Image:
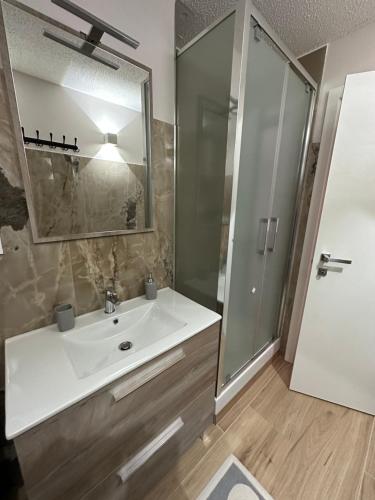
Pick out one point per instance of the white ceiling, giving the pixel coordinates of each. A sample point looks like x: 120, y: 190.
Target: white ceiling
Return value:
x: 303, y: 25
x: 35, y: 55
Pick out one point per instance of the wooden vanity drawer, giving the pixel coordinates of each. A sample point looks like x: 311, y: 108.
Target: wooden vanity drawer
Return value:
x: 132, y: 480
x: 87, y: 440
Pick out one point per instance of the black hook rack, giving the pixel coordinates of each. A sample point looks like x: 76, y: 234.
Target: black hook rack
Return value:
x: 51, y: 143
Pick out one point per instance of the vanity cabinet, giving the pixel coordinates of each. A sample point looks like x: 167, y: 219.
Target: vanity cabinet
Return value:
x: 118, y: 442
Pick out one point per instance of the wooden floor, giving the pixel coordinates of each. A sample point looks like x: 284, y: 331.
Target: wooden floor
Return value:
x: 297, y: 446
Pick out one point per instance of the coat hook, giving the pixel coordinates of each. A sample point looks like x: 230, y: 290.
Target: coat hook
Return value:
x: 37, y: 138
x: 51, y: 137
x: 23, y: 136
x: 63, y: 144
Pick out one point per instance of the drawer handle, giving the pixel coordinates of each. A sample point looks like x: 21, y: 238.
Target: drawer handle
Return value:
x: 134, y: 382
x: 149, y: 450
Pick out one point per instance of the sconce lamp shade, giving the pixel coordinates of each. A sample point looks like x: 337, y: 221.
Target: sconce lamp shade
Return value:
x: 110, y: 138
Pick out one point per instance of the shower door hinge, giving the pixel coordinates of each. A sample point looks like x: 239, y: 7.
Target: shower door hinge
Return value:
x: 257, y: 33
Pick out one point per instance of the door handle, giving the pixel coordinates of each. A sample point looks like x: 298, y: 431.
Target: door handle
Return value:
x: 326, y: 258
x: 264, y: 226
x: 275, y: 222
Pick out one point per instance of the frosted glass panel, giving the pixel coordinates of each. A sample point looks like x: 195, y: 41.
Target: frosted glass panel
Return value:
x: 263, y: 99
x: 203, y: 92
x: 295, y: 115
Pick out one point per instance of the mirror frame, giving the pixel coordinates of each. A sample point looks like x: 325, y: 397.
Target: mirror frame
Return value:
x: 21, y: 152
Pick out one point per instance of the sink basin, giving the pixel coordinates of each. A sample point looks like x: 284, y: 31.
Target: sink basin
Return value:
x: 117, y: 337
x: 48, y: 371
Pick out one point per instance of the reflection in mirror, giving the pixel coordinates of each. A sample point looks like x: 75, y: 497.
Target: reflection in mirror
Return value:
x: 85, y: 115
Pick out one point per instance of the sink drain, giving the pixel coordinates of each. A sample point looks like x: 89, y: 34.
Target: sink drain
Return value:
x: 125, y: 346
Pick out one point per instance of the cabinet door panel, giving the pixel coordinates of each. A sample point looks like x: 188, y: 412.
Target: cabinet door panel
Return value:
x: 196, y: 418
x: 85, y: 440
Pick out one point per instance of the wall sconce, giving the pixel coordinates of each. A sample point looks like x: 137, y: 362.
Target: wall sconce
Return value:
x: 110, y: 138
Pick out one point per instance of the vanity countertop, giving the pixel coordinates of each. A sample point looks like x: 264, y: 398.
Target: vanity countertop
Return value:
x: 41, y: 380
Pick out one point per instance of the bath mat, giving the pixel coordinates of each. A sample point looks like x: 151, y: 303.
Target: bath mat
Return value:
x: 234, y: 482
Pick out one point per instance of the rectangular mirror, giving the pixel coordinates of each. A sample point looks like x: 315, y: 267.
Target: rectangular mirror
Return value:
x: 86, y: 118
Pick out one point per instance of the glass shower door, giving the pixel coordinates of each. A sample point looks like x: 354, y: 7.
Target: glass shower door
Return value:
x: 264, y: 92
x: 276, y: 109
x: 286, y: 182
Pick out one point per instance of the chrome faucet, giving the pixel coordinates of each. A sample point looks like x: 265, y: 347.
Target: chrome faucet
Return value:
x: 111, y: 300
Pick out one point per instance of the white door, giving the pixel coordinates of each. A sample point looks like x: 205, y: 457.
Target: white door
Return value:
x: 335, y: 357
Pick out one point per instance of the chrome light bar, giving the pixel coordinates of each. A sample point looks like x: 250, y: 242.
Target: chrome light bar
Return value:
x: 80, y: 50
x: 99, y: 27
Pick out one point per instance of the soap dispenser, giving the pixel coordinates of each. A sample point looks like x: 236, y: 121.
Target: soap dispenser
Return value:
x: 150, y: 288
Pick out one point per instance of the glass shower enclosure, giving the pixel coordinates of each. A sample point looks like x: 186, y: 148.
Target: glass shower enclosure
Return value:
x: 244, y: 108
x: 203, y: 88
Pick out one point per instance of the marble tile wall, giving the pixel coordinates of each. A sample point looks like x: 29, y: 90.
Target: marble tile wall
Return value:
x: 35, y: 277
x: 308, y: 184
x: 75, y: 195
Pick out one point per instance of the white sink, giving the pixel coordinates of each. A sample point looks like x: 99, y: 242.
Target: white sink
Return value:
x: 94, y: 347
x: 48, y: 371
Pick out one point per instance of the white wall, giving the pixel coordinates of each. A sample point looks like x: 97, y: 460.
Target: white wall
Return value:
x: 149, y: 21
x: 52, y: 108
x: 352, y: 54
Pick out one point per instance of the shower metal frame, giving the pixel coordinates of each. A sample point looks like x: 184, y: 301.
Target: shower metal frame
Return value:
x: 244, y: 13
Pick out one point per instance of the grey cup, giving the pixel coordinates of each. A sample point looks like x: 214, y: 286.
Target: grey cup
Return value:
x: 64, y: 315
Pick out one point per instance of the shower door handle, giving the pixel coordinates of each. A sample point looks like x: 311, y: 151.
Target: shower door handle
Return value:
x: 274, y: 221
x: 264, y: 227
